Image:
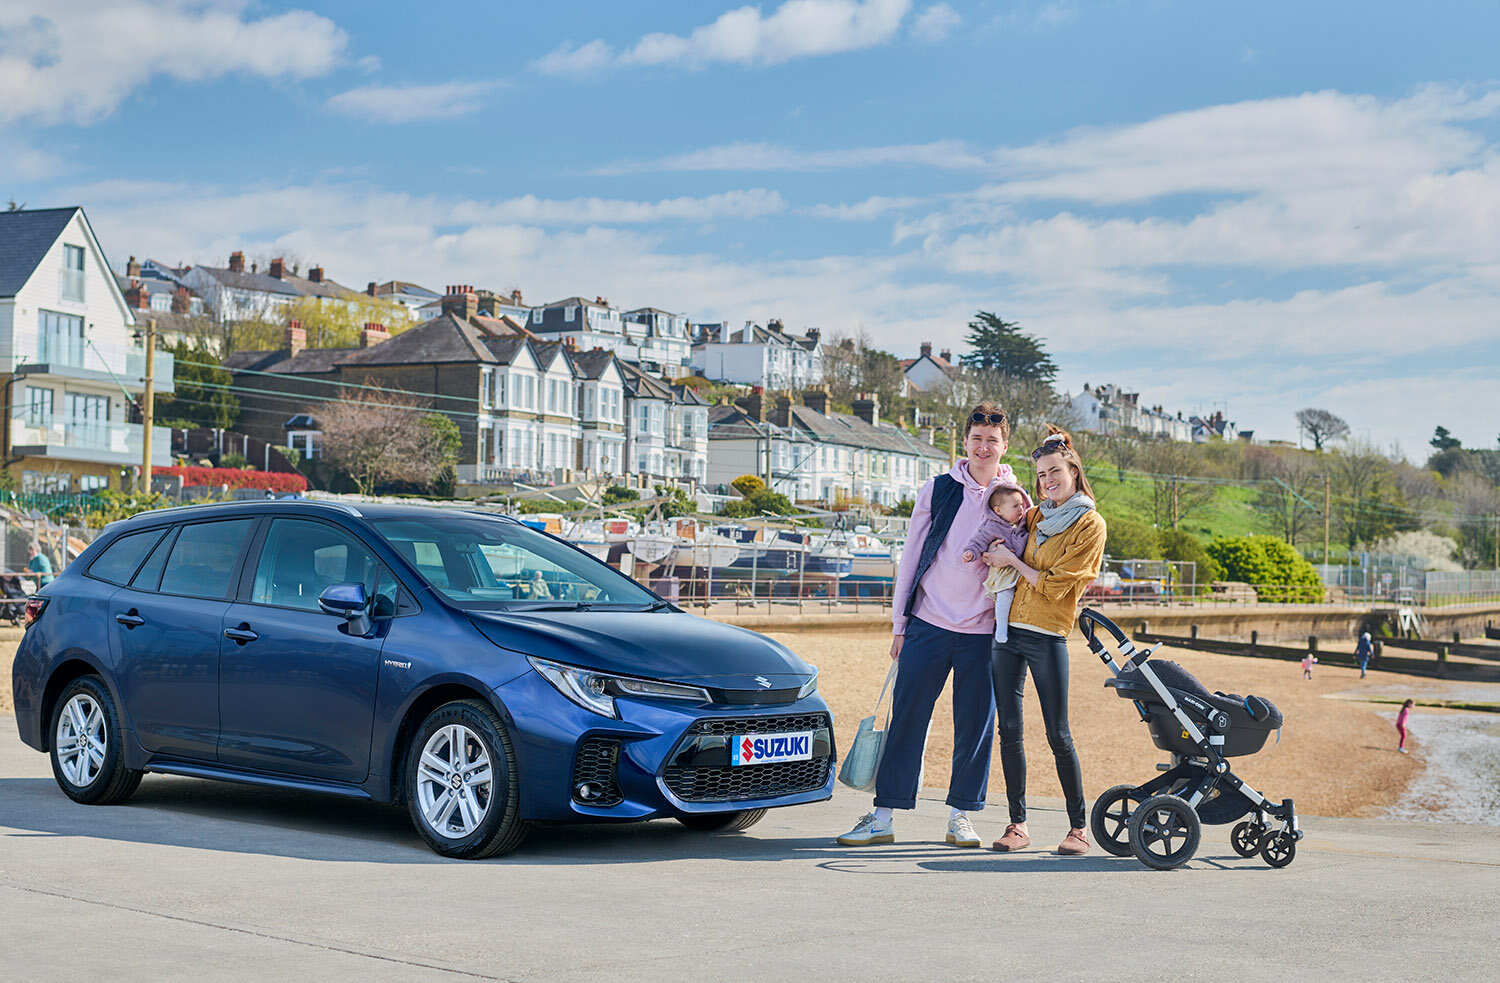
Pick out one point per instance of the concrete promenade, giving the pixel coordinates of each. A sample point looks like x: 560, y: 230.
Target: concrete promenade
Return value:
x: 197, y: 880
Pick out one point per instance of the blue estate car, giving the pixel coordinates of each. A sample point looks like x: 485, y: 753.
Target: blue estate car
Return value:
x: 484, y: 673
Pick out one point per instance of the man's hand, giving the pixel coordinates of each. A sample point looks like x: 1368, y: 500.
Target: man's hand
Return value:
x: 896, y: 641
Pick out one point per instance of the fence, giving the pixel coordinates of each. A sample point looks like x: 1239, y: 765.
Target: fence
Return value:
x: 57, y: 543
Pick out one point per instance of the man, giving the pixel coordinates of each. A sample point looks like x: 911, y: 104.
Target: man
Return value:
x: 942, y: 623
x: 1362, y: 652
x: 37, y: 562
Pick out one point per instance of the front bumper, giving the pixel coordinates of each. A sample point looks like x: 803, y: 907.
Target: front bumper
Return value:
x: 659, y: 759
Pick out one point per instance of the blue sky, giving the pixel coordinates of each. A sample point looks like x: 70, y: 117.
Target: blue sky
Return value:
x: 1258, y: 206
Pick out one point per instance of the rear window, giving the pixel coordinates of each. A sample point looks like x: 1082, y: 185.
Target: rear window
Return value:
x: 121, y: 558
x: 203, y: 558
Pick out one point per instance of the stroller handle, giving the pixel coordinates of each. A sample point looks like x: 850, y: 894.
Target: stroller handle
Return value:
x: 1088, y: 618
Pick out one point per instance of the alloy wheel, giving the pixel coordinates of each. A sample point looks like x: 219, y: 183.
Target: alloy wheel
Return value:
x: 454, y: 781
x: 82, y: 740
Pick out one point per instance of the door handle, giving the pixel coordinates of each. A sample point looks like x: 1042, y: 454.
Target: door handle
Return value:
x: 130, y: 620
x: 242, y: 634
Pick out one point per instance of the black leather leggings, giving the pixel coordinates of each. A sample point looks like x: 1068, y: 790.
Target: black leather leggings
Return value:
x: 1047, y: 658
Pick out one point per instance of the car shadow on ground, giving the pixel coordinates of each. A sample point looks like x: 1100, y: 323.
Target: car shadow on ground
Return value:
x: 207, y: 815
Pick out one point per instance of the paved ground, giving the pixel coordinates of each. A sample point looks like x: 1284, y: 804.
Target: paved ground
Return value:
x: 195, y: 880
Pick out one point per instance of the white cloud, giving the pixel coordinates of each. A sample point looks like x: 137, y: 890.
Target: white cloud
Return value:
x: 81, y: 58
x: 744, y: 156
x: 935, y: 23
x: 863, y: 211
x: 796, y: 29
x: 405, y: 103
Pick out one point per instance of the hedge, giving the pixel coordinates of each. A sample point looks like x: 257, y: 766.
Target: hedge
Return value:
x: 276, y: 481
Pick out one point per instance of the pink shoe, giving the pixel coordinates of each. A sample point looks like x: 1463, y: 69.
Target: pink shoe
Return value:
x: 1075, y: 844
x: 1015, y: 838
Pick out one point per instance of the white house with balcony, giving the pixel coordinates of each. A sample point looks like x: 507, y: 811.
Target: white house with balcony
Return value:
x: 70, y: 353
x: 661, y: 341
x: 770, y: 357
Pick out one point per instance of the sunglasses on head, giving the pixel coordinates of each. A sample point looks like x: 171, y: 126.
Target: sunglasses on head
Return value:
x: 1049, y: 446
x: 993, y: 419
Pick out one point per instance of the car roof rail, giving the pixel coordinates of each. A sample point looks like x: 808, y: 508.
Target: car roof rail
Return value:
x: 339, y: 506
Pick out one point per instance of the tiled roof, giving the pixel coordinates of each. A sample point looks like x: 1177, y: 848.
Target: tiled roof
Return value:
x: 25, y: 237
x: 590, y: 364
x: 643, y: 386
x: 256, y: 282
x: 322, y: 288
x: 445, y: 338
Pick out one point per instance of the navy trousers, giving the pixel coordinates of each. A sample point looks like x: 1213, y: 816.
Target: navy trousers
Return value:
x: 928, y: 655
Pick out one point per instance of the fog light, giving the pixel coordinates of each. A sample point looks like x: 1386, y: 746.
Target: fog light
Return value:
x: 587, y: 792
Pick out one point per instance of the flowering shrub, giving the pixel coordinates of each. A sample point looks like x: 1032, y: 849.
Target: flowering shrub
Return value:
x: 275, y: 481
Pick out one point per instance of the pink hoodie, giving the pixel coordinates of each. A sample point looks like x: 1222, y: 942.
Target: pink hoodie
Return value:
x: 951, y: 594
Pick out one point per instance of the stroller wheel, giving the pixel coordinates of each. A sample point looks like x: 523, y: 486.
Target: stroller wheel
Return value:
x: 1279, y: 850
x: 1164, y: 832
x: 1110, y: 819
x: 1246, y: 838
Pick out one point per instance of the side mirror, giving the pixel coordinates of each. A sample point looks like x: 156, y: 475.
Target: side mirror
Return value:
x: 347, y: 601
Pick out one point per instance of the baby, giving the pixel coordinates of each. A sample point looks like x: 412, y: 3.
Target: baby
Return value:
x: 1008, y: 503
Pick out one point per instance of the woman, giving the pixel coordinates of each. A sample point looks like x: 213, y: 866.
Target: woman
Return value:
x: 942, y: 622
x: 1062, y: 557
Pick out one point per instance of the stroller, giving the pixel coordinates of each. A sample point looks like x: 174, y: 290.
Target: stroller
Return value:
x: 1161, y: 822
x: 12, y: 599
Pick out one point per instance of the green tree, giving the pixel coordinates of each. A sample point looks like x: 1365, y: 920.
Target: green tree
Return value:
x: 1321, y: 426
x: 1442, y: 440
x: 758, y: 503
x: 1276, y: 570
x: 201, y: 397
x: 615, y: 494
x: 748, y: 484
x: 1128, y: 539
x: 1001, y: 346
x: 442, y: 436
x: 1184, y: 547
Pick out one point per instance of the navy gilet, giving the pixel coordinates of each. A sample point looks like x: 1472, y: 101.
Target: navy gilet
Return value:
x: 947, y: 496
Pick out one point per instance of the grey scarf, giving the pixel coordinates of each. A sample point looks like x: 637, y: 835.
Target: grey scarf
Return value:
x: 1057, y: 518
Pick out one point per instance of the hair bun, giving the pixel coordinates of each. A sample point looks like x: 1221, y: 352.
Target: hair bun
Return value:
x: 1057, y: 437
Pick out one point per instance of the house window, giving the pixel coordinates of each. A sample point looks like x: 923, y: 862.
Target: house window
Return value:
x: 60, y: 482
x: 38, y: 406
x: 500, y: 390
x: 61, y: 339
x: 486, y: 388
x: 87, y: 420
x: 72, y: 274
x: 536, y: 316
x: 92, y: 482
x: 305, y: 442
x: 570, y: 312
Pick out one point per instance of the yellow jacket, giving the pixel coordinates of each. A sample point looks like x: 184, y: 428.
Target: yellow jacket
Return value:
x: 1068, y: 563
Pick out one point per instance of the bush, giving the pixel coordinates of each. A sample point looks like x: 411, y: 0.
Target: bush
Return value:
x: 615, y: 494
x: 1276, y: 570
x: 1131, y: 540
x: 275, y: 481
x: 234, y: 460
x: 758, y: 502
x: 1186, y: 548
x: 748, y: 484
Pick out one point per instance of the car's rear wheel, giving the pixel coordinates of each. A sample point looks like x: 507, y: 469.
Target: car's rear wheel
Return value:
x: 723, y: 822
x: 461, y: 782
x: 87, y: 759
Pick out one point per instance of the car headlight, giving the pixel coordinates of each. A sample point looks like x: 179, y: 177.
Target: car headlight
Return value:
x: 595, y: 691
x: 810, y: 687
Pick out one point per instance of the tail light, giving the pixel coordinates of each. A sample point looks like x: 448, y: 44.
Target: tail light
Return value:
x: 34, y: 608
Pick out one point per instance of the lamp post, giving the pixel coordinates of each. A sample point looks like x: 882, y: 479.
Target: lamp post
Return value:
x: 148, y: 404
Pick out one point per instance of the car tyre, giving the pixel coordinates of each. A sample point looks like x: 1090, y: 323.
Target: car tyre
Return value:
x: 87, y: 759
x: 461, y: 784
x: 723, y: 822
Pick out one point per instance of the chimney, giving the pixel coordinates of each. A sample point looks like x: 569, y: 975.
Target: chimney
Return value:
x: 813, y: 334
x: 373, y: 334
x: 137, y: 296
x: 236, y: 262
x: 816, y: 400
x: 315, y: 274
x: 278, y: 267
x: 925, y: 434
x: 461, y: 301
x: 926, y: 349
x: 296, y: 339
x: 754, y: 405
x: 132, y: 268
x: 774, y: 324
x: 371, y: 288
x: 867, y: 408
x: 182, y: 303
x: 946, y: 356
x: 782, y: 414
x: 515, y: 297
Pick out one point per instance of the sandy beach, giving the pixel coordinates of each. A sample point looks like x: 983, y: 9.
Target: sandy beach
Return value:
x: 1337, y: 755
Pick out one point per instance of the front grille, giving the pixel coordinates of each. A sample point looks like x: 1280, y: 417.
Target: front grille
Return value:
x: 718, y: 726
x: 751, y: 781
x: 596, y: 763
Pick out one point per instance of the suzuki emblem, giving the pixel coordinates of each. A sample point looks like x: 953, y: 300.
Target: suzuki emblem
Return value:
x: 764, y: 682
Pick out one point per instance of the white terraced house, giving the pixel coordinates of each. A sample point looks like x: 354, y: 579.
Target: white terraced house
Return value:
x: 72, y: 357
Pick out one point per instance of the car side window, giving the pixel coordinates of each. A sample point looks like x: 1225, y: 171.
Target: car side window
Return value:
x: 149, y: 576
x: 202, y: 560
x: 302, y: 558
x: 119, y: 560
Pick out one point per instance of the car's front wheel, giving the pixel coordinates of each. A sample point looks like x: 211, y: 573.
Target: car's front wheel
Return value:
x: 723, y: 822
x: 461, y: 783
x: 87, y: 759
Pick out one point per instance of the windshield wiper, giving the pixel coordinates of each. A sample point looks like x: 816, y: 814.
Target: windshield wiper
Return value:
x: 554, y: 606
x: 658, y: 605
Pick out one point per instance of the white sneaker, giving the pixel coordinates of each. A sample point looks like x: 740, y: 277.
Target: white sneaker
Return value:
x: 1401, y: 749
x: 961, y: 832
x: 868, y: 831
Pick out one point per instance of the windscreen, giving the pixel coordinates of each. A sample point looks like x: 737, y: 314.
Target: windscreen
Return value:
x: 484, y: 563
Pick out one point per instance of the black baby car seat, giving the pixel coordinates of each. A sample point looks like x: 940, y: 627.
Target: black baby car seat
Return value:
x: 1251, y: 719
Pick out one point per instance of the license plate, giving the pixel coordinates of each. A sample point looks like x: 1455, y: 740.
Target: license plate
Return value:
x: 764, y: 749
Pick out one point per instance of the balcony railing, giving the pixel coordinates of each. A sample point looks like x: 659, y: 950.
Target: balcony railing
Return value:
x: 95, y: 440
x: 126, y: 363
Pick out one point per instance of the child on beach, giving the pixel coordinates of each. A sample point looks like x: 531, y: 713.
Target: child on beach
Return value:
x: 1401, y: 719
x: 1006, y: 522
x: 1308, y: 661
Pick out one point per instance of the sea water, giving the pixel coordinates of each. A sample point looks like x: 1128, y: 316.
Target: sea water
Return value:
x: 1461, y: 780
